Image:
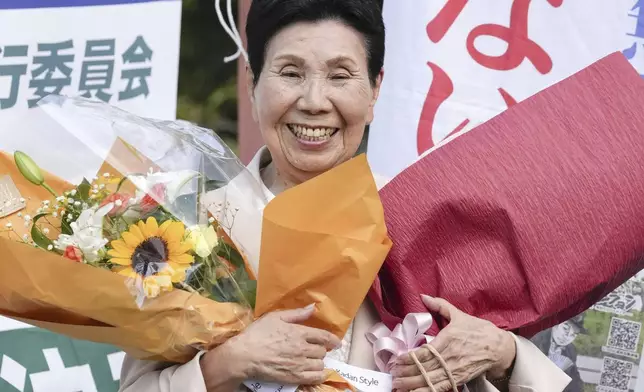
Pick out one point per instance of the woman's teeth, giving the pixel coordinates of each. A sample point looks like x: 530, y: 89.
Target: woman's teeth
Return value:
x: 312, y: 134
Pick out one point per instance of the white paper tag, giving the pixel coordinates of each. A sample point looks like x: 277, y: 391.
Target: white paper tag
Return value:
x: 362, y: 379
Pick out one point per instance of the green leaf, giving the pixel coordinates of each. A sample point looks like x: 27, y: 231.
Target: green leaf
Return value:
x: 223, y: 290
x: 83, y: 190
x: 37, y: 236
x: 211, y: 185
x: 251, y: 293
x: 65, y: 228
x: 247, y: 286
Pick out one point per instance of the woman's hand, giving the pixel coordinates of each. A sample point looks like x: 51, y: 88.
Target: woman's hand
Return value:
x: 273, y: 349
x: 469, y: 346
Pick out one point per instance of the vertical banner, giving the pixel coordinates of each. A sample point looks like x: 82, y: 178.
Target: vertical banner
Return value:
x: 125, y: 52
x: 454, y: 64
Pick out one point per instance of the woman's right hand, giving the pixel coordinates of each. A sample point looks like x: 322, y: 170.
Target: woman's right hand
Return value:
x: 274, y: 348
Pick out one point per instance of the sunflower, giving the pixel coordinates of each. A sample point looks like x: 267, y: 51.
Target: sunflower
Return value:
x: 155, y: 255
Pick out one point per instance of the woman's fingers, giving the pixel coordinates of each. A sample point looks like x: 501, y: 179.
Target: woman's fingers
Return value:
x: 422, y: 354
x: 412, y: 370
x: 313, y: 365
x: 314, y: 351
x: 468, y: 347
x: 440, y: 306
x: 311, y: 378
x: 418, y: 381
x: 444, y: 386
x: 296, y: 315
x: 295, y: 371
x: 320, y: 337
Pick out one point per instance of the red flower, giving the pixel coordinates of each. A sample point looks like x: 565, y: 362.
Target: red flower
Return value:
x: 117, y: 198
x: 74, y: 254
x: 151, y: 200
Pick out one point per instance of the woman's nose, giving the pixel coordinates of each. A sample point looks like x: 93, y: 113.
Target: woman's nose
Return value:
x: 314, y: 98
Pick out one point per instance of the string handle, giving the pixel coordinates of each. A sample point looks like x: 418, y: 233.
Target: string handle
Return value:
x: 442, y: 363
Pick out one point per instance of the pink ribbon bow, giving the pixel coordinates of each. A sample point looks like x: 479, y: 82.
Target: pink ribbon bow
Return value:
x: 388, y: 345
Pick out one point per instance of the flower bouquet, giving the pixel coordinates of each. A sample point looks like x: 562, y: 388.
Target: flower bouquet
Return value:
x: 156, y: 246
x: 137, y: 236
x: 530, y: 218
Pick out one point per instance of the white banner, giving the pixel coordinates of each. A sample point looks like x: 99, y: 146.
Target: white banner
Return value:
x: 454, y: 64
x: 125, y: 52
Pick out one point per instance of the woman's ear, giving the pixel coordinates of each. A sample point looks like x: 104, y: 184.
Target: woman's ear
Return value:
x: 250, y: 89
x: 375, y: 94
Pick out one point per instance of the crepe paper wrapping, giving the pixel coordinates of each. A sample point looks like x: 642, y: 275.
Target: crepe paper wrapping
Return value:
x: 530, y: 218
x: 323, y: 248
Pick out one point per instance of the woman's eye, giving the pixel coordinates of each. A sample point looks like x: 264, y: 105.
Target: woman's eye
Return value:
x: 290, y: 74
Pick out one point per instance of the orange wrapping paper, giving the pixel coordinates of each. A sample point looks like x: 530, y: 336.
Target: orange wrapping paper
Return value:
x: 33, y: 195
x: 35, y: 288
x: 327, y: 255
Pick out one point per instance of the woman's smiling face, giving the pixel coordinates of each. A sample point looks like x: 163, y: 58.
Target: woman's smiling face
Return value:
x: 314, y: 97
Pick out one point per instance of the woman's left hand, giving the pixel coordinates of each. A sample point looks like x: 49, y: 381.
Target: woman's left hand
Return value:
x: 470, y: 347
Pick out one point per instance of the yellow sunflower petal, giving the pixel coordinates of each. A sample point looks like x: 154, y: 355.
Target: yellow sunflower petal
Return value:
x: 127, y: 271
x: 182, y: 259
x: 116, y: 243
x: 121, y: 261
x: 116, y: 254
x: 131, y: 240
x: 179, y: 248
x: 164, y: 226
x: 136, y: 231
x: 174, y: 232
x: 121, y: 250
x: 150, y: 228
x: 141, y: 226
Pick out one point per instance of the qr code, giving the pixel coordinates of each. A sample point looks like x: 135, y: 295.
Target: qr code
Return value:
x: 616, y: 374
x: 624, y: 334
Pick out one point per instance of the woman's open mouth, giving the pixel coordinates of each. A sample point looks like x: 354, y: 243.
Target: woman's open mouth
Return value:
x: 312, y: 135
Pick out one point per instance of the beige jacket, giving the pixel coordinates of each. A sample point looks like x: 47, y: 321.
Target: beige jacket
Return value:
x: 533, y: 371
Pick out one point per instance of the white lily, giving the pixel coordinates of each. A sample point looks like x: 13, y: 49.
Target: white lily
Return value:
x: 173, y: 182
x: 87, y: 233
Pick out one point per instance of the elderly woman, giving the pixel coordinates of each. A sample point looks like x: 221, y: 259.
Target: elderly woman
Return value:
x: 314, y: 76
